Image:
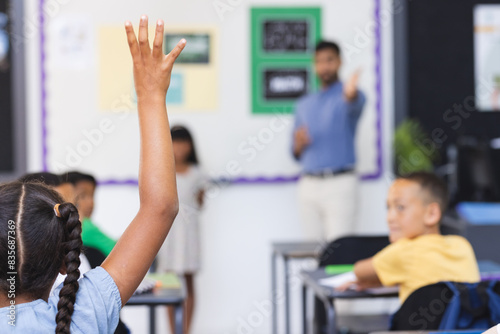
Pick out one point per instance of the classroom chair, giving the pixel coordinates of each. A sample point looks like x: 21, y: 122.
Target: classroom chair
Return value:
x: 349, y: 250
x: 95, y: 256
x: 450, y: 306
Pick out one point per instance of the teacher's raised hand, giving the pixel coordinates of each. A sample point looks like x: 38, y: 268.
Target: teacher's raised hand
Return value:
x: 351, y: 87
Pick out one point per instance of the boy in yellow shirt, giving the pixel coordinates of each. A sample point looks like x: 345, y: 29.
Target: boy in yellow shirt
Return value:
x: 418, y: 254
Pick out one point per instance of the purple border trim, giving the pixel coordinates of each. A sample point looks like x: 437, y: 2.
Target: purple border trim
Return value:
x: 242, y: 180
x: 378, y: 89
x: 129, y: 182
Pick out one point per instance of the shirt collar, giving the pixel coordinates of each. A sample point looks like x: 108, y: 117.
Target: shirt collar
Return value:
x: 334, y: 86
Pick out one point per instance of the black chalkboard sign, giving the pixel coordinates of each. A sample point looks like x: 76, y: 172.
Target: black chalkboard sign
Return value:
x: 285, y: 83
x: 285, y: 35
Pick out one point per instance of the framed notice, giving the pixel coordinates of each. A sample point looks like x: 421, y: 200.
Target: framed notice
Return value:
x: 283, y: 42
x: 487, y: 56
x: 197, y: 52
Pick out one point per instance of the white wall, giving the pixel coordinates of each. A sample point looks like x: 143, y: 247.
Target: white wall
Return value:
x: 239, y: 223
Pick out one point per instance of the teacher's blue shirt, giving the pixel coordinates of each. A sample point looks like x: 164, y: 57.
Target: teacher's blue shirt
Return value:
x: 331, y: 123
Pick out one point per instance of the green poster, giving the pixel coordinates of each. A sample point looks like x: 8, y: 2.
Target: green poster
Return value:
x: 283, y: 42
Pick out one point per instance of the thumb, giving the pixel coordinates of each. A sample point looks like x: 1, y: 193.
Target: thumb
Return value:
x: 172, y: 56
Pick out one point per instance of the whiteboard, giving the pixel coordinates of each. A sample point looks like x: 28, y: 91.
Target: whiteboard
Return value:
x: 79, y: 135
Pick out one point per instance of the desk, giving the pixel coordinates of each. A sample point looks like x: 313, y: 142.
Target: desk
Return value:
x: 171, y: 296
x: 310, y: 279
x: 287, y: 251
x: 482, y: 228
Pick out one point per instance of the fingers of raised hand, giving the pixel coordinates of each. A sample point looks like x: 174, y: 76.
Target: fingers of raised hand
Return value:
x: 158, y: 41
x: 355, y: 77
x: 143, y: 37
x: 132, y: 41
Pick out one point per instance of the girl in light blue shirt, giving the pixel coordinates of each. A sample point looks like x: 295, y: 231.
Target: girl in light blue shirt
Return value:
x: 40, y: 235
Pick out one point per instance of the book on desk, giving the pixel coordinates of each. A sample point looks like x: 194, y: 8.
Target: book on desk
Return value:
x: 346, y: 277
x: 158, y: 280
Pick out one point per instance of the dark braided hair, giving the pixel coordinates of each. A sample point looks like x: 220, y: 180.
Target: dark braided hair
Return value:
x: 43, y: 242
x: 72, y: 247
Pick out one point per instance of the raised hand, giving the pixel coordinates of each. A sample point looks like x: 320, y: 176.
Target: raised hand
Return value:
x: 132, y: 256
x: 152, y: 69
x: 351, y: 86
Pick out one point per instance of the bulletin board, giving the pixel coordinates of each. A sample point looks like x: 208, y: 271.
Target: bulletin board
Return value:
x: 486, y: 55
x: 282, y: 43
x: 188, y: 91
x: 88, y: 113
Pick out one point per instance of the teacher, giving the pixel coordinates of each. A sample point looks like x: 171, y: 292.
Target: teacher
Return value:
x: 323, y: 143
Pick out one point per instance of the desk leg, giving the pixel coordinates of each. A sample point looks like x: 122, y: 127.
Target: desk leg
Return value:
x: 152, y: 319
x: 304, y: 309
x: 179, y: 318
x: 287, y: 298
x: 330, y: 317
x: 274, y: 293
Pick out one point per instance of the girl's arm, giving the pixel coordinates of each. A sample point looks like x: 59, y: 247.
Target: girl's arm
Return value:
x: 132, y: 256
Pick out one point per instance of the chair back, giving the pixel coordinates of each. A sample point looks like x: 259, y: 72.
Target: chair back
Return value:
x: 345, y: 250
x: 350, y: 249
x: 450, y: 306
x: 95, y: 256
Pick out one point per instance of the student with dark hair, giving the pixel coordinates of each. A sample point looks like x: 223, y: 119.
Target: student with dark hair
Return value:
x: 40, y: 234
x: 181, y: 251
x: 63, y: 187
x: 67, y: 191
x: 418, y: 254
x: 85, y: 185
x: 183, y: 142
x: 323, y: 143
x: 49, y: 179
x: 92, y: 236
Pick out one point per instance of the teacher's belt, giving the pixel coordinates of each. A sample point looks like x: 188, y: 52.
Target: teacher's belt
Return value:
x: 330, y: 172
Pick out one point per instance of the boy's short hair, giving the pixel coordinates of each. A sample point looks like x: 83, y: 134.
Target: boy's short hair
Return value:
x: 49, y: 179
x: 433, y: 185
x: 324, y: 45
x: 75, y: 177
